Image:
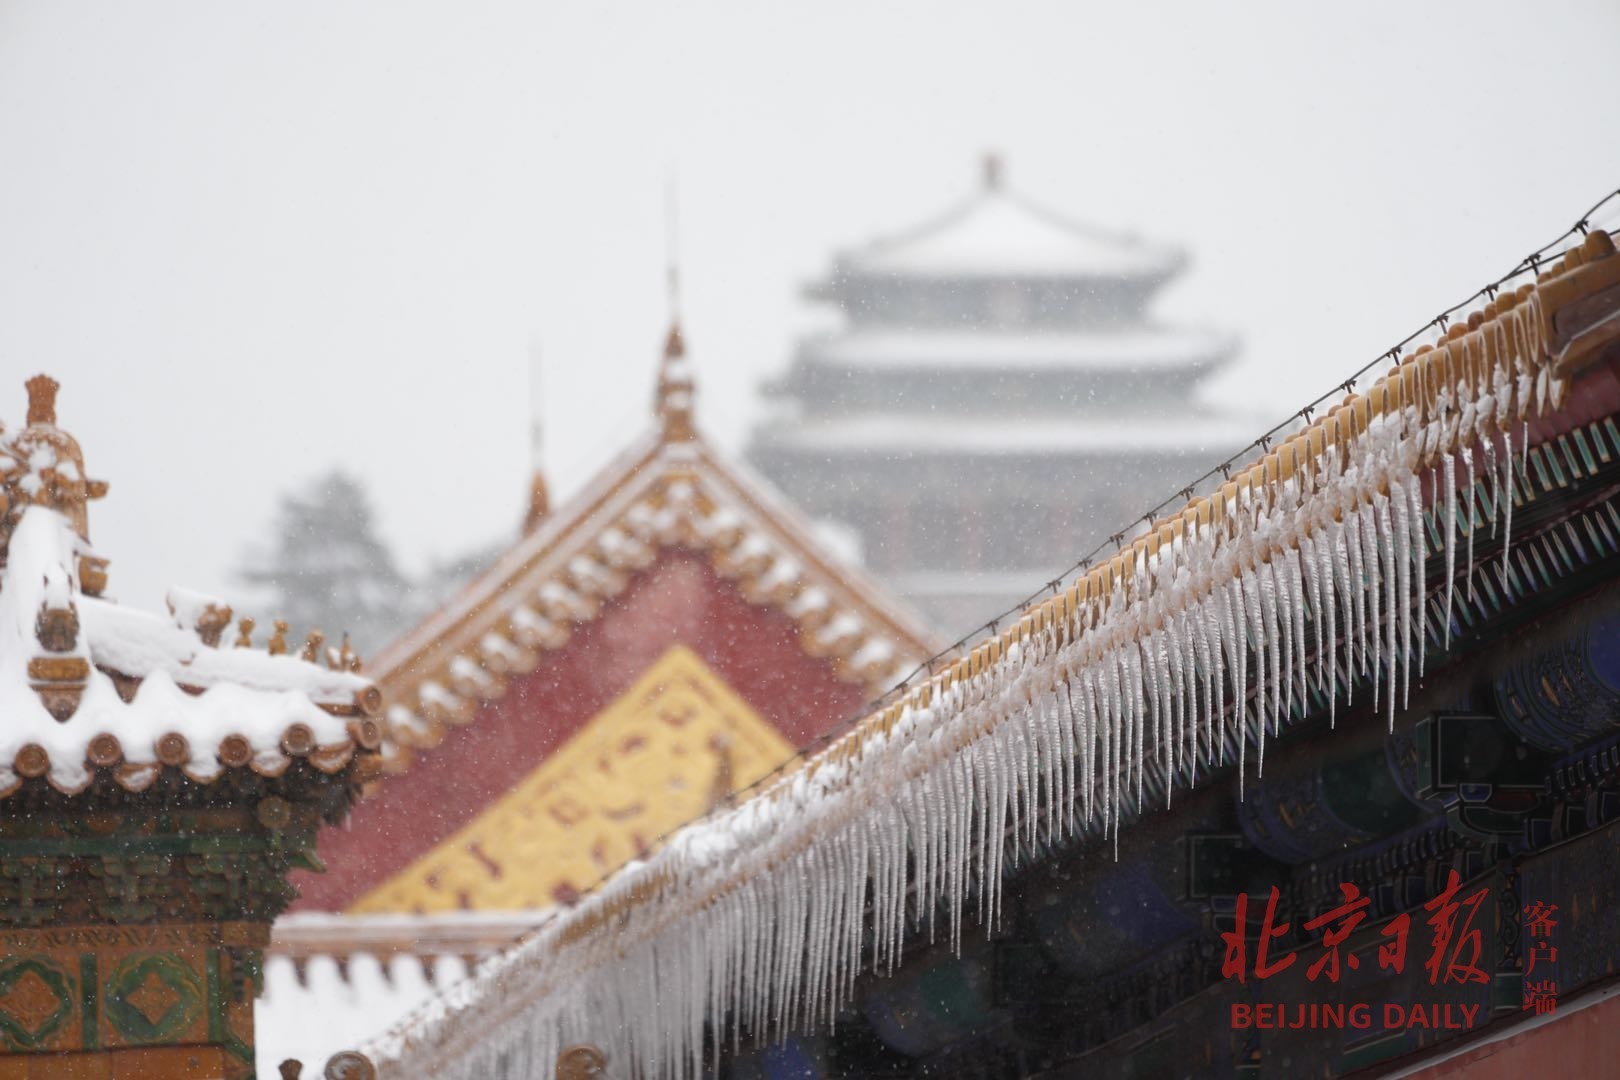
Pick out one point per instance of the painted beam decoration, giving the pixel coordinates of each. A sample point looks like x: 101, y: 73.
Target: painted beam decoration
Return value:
x: 158, y: 781
x: 1324, y: 577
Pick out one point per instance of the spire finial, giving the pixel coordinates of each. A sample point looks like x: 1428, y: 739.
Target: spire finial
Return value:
x: 675, y: 388
x: 991, y: 164
x: 539, y: 492
x: 672, y: 245
x: 58, y: 479
x: 42, y: 399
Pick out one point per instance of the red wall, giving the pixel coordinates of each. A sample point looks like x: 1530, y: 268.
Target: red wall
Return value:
x: 1570, y: 1047
x: 678, y: 599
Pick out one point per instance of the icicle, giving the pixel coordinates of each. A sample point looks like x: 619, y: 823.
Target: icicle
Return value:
x: 1488, y: 446
x: 1111, y: 706
x: 1170, y: 731
x: 1507, y: 500
x: 1449, y: 464
x: 1296, y: 588
x: 1356, y: 595
x: 1394, y: 622
x: 1468, y: 461
x: 1311, y: 563
x: 1400, y: 541
x: 1185, y: 738
x: 1372, y: 592
x: 927, y: 881
x: 1266, y: 661
x: 1240, y: 670
x: 1281, y: 605
x: 1135, y: 679
x: 1419, y: 594
x: 1239, y: 628
x: 1209, y: 660
x: 1341, y: 599
x: 1327, y: 618
x: 1086, y: 735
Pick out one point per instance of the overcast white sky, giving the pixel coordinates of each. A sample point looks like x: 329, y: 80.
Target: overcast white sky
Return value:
x: 257, y: 240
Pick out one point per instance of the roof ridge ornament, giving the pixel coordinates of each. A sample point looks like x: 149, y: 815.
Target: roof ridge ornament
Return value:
x: 539, y: 491
x: 991, y: 164
x: 42, y: 465
x: 42, y: 399
x: 676, y: 389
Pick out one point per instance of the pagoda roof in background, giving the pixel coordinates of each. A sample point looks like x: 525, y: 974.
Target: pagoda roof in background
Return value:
x: 999, y: 233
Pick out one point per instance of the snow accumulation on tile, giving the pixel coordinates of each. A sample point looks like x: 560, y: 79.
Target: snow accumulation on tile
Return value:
x: 329, y: 1006
x: 331, y: 979
x: 87, y: 684
x: 1295, y: 584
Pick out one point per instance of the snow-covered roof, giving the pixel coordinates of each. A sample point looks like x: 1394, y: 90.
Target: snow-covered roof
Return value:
x: 88, y: 685
x: 1134, y: 349
x: 1080, y: 716
x: 670, y: 490
x: 998, y: 233
x: 331, y: 981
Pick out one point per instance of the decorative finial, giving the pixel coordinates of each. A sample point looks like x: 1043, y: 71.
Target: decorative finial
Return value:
x: 539, y: 492
x: 42, y: 399
x: 991, y: 164
x: 53, y: 469
x: 539, y: 501
x: 675, y: 389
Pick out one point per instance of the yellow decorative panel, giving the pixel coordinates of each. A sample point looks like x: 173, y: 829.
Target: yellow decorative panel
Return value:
x: 665, y: 751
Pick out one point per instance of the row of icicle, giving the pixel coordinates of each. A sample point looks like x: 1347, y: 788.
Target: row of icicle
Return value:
x: 1280, y: 592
